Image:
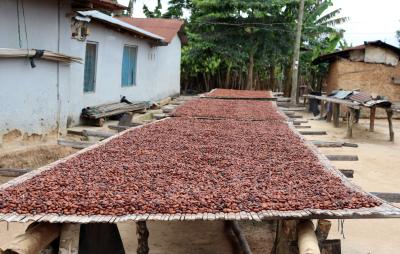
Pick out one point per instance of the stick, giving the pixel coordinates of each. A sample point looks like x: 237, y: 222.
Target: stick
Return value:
x: 389, y: 113
x: 307, y: 240
x: 322, y: 231
x: 342, y: 157
x: 336, y: 114
x: 372, y: 119
x: 34, y: 239
x: 244, y: 245
x: 350, y: 121
x: 69, y: 239
x: 143, y: 236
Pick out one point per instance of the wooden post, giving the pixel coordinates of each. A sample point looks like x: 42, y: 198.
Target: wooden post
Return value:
x: 372, y: 119
x: 69, y: 239
x: 307, y: 240
x: 336, y: 114
x: 389, y: 113
x: 35, y: 239
x: 322, y: 231
x: 350, y: 122
x: 143, y: 236
x: 285, y: 233
x: 322, y: 111
x: 244, y: 245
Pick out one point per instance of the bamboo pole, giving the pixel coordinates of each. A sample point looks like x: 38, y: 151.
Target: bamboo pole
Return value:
x: 34, y: 239
x: 307, y: 240
x: 143, y: 236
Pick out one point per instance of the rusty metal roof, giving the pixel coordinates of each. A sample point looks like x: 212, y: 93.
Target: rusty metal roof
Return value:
x: 345, y: 53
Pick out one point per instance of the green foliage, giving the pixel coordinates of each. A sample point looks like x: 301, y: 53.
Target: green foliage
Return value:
x: 231, y: 39
x: 156, y: 13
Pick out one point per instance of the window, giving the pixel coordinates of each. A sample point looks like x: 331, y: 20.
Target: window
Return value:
x: 128, y: 77
x: 89, y: 80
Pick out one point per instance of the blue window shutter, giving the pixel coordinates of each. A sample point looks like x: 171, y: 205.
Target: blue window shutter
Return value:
x: 90, y: 68
x: 128, y: 76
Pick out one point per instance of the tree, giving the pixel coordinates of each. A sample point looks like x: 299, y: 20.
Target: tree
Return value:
x: 156, y: 13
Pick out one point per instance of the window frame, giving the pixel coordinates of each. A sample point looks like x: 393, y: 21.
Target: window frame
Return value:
x: 96, y: 44
x: 135, y: 67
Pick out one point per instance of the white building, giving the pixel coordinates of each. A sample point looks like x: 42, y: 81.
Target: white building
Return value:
x: 119, y: 59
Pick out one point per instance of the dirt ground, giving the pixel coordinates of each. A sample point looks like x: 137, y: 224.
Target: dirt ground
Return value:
x: 377, y: 170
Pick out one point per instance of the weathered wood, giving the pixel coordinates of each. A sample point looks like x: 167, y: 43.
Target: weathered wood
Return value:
x: 349, y: 173
x: 322, y: 111
x: 293, y: 109
x: 143, y: 236
x: 389, y: 113
x: 244, y: 245
x: 122, y: 128
x: 312, y: 132
x: 342, y: 157
x: 126, y: 119
x: 327, y: 247
x: 318, y: 143
x: 388, y: 196
x: 74, y: 144
x: 322, y: 231
x: 69, y: 238
x: 100, y: 134
x: 295, y: 116
x: 350, y: 122
x: 348, y: 103
x: 36, y: 238
x: 299, y: 121
x: 372, y: 119
x: 336, y: 114
x: 307, y: 240
x: 302, y: 127
x: 13, y: 172
x: 286, y: 232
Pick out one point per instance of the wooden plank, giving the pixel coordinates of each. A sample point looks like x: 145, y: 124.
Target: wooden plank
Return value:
x: 69, y: 238
x: 100, y: 134
x: 13, y: 172
x: 299, y: 121
x: 350, y: 122
x: 74, y: 144
x: 313, y: 132
x: 349, y: 173
x: 342, y: 157
x: 388, y: 196
x: 302, y: 127
x: 318, y: 143
x: 126, y: 119
x: 295, y: 116
x: 244, y: 245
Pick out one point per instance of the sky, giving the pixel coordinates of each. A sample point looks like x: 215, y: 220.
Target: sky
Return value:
x: 368, y: 19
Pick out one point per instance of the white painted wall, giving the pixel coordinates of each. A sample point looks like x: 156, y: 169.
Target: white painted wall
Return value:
x: 28, y: 97
x: 380, y: 55
x: 157, y: 73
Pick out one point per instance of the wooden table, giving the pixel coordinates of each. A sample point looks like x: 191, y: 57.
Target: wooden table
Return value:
x: 352, y: 107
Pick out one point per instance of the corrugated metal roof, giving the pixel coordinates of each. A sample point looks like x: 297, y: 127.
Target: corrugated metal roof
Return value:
x: 116, y: 22
x: 167, y: 28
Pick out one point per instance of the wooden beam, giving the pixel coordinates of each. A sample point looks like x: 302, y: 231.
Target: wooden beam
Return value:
x: 349, y: 173
x: 372, y: 119
x: 143, y: 236
x: 74, y: 144
x: 69, y: 238
x: 342, y: 157
x: 244, y: 245
x: 312, y: 132
x: 388, y: 196
x: 322, y: 231
x: 13, y: 172
x: 307, y: 240
x: 35, y: 239
x: 100, y: 134
x: 299, y: 121
x: 295, y: 116
x: 348, y: 103
x: 302, y: 127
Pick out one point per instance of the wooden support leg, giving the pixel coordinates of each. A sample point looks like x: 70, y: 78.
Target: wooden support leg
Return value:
x: 322, y: 231
x: 372, y: 119
x: 329, y: 113
x: 307, y: 240
x: 143, y: 236
x: 244, y: 245
x: 322, y: 114
x: 69, y: 239
x: 336, y: 114
x: 389, y: 113
x: 350, y: 122
x: 285, y: 233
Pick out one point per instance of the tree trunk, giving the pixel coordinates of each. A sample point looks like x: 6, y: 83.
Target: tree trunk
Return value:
x: 271, y: 84
x: 287, y: 83
x: 250, y: 71
x: 228, y: 77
